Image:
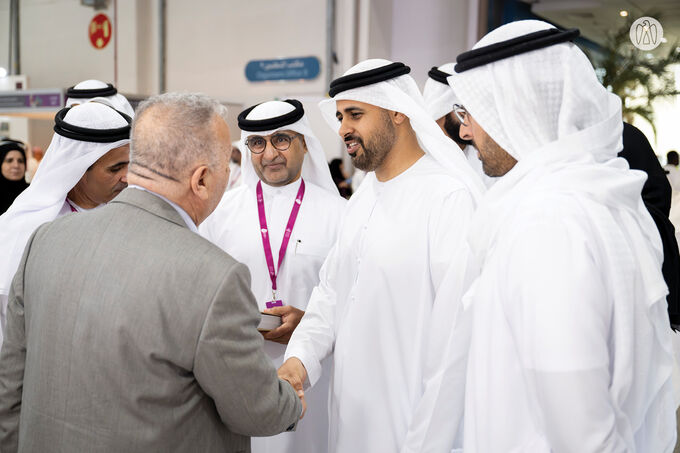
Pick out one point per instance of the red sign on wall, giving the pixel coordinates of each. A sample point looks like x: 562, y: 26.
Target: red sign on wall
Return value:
x: 100, y: 31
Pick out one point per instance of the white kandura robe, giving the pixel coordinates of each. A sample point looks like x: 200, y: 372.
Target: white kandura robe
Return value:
x: 234, y: 227
x: 557, y: 362
x: 375, y: 310
x: 234, y: 175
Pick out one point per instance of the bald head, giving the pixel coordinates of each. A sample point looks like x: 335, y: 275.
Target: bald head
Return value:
x: 174, y: 131
x: 180, y: 148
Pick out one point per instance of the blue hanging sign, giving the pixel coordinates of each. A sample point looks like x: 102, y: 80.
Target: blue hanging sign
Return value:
x: 283, y: 69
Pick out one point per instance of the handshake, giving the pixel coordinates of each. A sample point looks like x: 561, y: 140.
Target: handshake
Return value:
x: 295, y: 373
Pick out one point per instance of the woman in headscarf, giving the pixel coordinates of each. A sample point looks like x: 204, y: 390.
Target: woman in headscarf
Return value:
x: 12, y: 182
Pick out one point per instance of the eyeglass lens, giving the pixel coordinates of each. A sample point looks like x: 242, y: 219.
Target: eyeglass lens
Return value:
x: 257, y: 144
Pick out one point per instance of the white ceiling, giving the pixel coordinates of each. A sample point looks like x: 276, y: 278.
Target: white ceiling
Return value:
x: 596, y: 17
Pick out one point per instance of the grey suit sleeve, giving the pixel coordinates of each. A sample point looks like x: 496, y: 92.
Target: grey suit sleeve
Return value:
x: 13, y: 361
x: 232, y: 367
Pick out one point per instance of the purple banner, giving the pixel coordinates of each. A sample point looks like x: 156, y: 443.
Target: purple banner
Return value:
x: 27, y: 100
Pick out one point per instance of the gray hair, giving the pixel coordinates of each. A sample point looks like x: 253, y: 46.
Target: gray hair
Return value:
x: 179, y: 134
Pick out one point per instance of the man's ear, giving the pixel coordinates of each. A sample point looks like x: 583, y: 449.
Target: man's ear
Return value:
x: 199, y: 182
x: 398, y: 117
x: 304, y: 142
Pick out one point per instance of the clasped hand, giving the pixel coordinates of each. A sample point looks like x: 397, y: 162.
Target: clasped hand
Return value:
x: 294, y: 372
x: 290, y: 318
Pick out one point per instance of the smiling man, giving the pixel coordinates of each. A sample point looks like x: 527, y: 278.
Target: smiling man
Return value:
x: 84, y: 167
x: 379, y: 305
x: 281, y: 223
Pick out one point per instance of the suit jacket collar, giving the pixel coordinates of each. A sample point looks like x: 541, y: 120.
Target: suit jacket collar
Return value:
x: 150, y: 203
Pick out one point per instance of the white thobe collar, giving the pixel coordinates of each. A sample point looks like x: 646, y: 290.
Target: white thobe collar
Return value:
x: 80, y: 208
x: 190, y: 223
x: 289, y: 190
x: 380, y: 185
x: 73, y: 205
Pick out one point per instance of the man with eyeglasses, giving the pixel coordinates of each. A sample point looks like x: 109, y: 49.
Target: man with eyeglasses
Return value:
x: 281, y: 222
x: 439, y: 102
x: 571, y: 344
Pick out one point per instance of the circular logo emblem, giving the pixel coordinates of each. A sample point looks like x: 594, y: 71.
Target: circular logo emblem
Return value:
x: 100, y: 31
x: 646, y: 33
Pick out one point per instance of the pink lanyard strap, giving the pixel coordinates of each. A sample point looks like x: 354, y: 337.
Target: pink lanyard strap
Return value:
x: 73, y: 209
x: 286, y: 236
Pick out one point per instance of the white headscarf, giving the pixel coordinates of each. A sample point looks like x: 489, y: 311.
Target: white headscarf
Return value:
x: 539, y: 98
x: 65, y: 162
x: 314, y: 167
x: 548, y: 110
x: 439, y: 97
x: 118, y: 101
x: 401, y: 94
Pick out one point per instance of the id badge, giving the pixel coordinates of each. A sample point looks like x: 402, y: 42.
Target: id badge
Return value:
x: 274, y: 303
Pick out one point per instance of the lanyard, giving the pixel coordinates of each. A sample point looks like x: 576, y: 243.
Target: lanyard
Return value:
x: 73, y: 209
x: 286, y: 236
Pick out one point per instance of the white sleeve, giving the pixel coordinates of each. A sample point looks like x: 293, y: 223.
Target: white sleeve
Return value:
x: 560, y: 315
x: 436, y: 423
x: 314, y: 337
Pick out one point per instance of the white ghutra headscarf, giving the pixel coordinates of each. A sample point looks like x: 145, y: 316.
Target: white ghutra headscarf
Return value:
x: 401, y: 94
x: 439, y: 97
x: 116, y: 100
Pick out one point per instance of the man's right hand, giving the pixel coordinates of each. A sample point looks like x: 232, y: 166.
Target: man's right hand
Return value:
x: 295, y: 373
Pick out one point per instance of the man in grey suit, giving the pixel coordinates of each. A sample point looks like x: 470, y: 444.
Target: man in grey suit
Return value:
x: 126, y: 331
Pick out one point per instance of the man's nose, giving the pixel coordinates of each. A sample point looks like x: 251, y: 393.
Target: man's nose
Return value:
x: 344, y: 129
x: 465, y: 132
x: 270, y: 153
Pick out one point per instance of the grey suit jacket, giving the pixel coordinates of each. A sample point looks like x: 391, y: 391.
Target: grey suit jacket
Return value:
x: 127, y: 332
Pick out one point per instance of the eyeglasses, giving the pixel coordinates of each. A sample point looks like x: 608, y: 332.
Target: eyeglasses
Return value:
x: 461, y: 114
x: 257, y: 144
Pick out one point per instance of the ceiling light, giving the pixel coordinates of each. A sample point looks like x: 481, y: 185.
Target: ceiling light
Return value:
x: 623, y: 13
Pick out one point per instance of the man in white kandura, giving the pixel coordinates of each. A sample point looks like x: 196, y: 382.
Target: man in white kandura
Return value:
x: 235, y: 176
x: 571, y: 344
x: 379, y: 306
x: 282, y: 223
x: 84, y: 167
x: 439, y: 101
x: 89, y: 90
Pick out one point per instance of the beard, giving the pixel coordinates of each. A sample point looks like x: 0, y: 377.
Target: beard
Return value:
x: 452, y: 128
x: 376, y: 148
x: 495, y: 160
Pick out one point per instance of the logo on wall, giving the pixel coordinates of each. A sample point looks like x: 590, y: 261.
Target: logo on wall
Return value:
x: 646, y: 33
x: 100, y: 31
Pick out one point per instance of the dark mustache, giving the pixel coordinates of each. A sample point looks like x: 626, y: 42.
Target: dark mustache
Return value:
x: 274, y: 162
x: 353, y: 138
